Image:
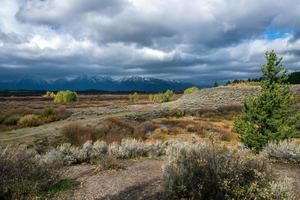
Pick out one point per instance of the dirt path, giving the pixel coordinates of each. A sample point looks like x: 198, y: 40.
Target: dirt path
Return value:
x: 141, y: 179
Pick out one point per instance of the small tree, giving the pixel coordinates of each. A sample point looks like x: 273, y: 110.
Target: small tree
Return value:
x: 65, y: 97
x: 164, y: 97
x: 134, y: 98
x: 268, y: 115
x: 151, y: 97
x: 216, y: 84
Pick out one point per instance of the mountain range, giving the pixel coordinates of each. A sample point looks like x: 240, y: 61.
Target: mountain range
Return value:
x: 101, y: 83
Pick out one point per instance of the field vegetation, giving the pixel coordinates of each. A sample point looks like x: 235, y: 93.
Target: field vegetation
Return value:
x: 66, y: 97
x: 191, y: 90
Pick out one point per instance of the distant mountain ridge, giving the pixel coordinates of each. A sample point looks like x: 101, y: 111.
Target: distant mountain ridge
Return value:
x: 102, y: 83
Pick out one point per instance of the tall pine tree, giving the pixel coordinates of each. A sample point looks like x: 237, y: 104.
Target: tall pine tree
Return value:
x: 268, y: 115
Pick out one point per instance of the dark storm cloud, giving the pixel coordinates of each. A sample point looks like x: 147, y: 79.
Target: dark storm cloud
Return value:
x: 198, y: 40
x: 54, y: 12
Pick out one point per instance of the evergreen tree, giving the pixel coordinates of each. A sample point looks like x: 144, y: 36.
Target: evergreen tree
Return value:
x: 216, y: 84
x: 268, y: 115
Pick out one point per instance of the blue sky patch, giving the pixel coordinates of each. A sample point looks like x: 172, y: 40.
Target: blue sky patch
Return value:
x: 273, y: 33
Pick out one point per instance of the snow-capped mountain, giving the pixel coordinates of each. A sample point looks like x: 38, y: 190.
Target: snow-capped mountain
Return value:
x: 102, y: 83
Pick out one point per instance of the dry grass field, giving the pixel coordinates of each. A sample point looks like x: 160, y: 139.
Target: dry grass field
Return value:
x: 14, y: 107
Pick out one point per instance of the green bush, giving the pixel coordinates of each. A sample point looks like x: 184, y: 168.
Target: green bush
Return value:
x: 269, y: 115
x: 29, y: 121
x: 201, y: 171
x: 21, y: 175
x: 191, y: 90
x: 65, y: 97
x: 216, y: 84
x: 134, y: 98
x: 164, y: 97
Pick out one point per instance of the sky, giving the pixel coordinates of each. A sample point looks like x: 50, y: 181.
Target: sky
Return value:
x: 197, y: 41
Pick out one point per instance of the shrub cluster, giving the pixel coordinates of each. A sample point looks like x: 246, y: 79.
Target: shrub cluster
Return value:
x: 66, y: 96
x: 134, y: 98
x: 89, y: 151
x: 202, y: 171
x: 22, y: 177
x: 284, y: 151
x: 175, y: 112
x: 109, y: 130
x: 29, y: 121
x: 77, y: 134
x: 47, y: 115
x: 31, y: 118
x: 162, y: 97
x: 191, y: 90
x: 244, y: 83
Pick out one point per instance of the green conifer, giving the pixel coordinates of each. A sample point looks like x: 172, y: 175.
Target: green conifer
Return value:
x: 268, y: 115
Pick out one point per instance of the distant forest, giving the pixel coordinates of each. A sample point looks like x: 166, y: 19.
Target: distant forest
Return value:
x: 293, y: 78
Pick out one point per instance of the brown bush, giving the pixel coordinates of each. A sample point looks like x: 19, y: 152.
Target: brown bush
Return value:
x: 78, y: 134
x: 200, y: 127
x: 146, y: 128
x: 49, y: 118
x: 160, y: 134
x: 109, y: 130
x: 114, y: 129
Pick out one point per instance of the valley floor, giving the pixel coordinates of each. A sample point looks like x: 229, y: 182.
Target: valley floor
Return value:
x: 140, y: 179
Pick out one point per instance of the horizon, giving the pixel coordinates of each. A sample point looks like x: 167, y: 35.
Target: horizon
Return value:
x: 192, y: 41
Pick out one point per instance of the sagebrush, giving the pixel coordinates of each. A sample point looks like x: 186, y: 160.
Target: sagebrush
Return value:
x: 284, y: 151
x: 203, y: 171
x: 21, y: 175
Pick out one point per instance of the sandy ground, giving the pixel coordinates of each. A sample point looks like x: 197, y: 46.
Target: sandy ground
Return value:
x: 141, y: 179
x: 290, y: 171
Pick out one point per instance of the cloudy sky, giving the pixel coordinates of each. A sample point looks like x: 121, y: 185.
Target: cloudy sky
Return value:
x: 192, y: 40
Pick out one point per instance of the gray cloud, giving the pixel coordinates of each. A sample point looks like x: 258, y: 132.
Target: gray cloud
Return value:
x: 199, y: 41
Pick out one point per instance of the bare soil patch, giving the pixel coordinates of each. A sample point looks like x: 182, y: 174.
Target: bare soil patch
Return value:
x: 141, y: 179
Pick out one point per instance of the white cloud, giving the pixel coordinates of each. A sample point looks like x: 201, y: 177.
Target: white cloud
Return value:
x: 199, y: 39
